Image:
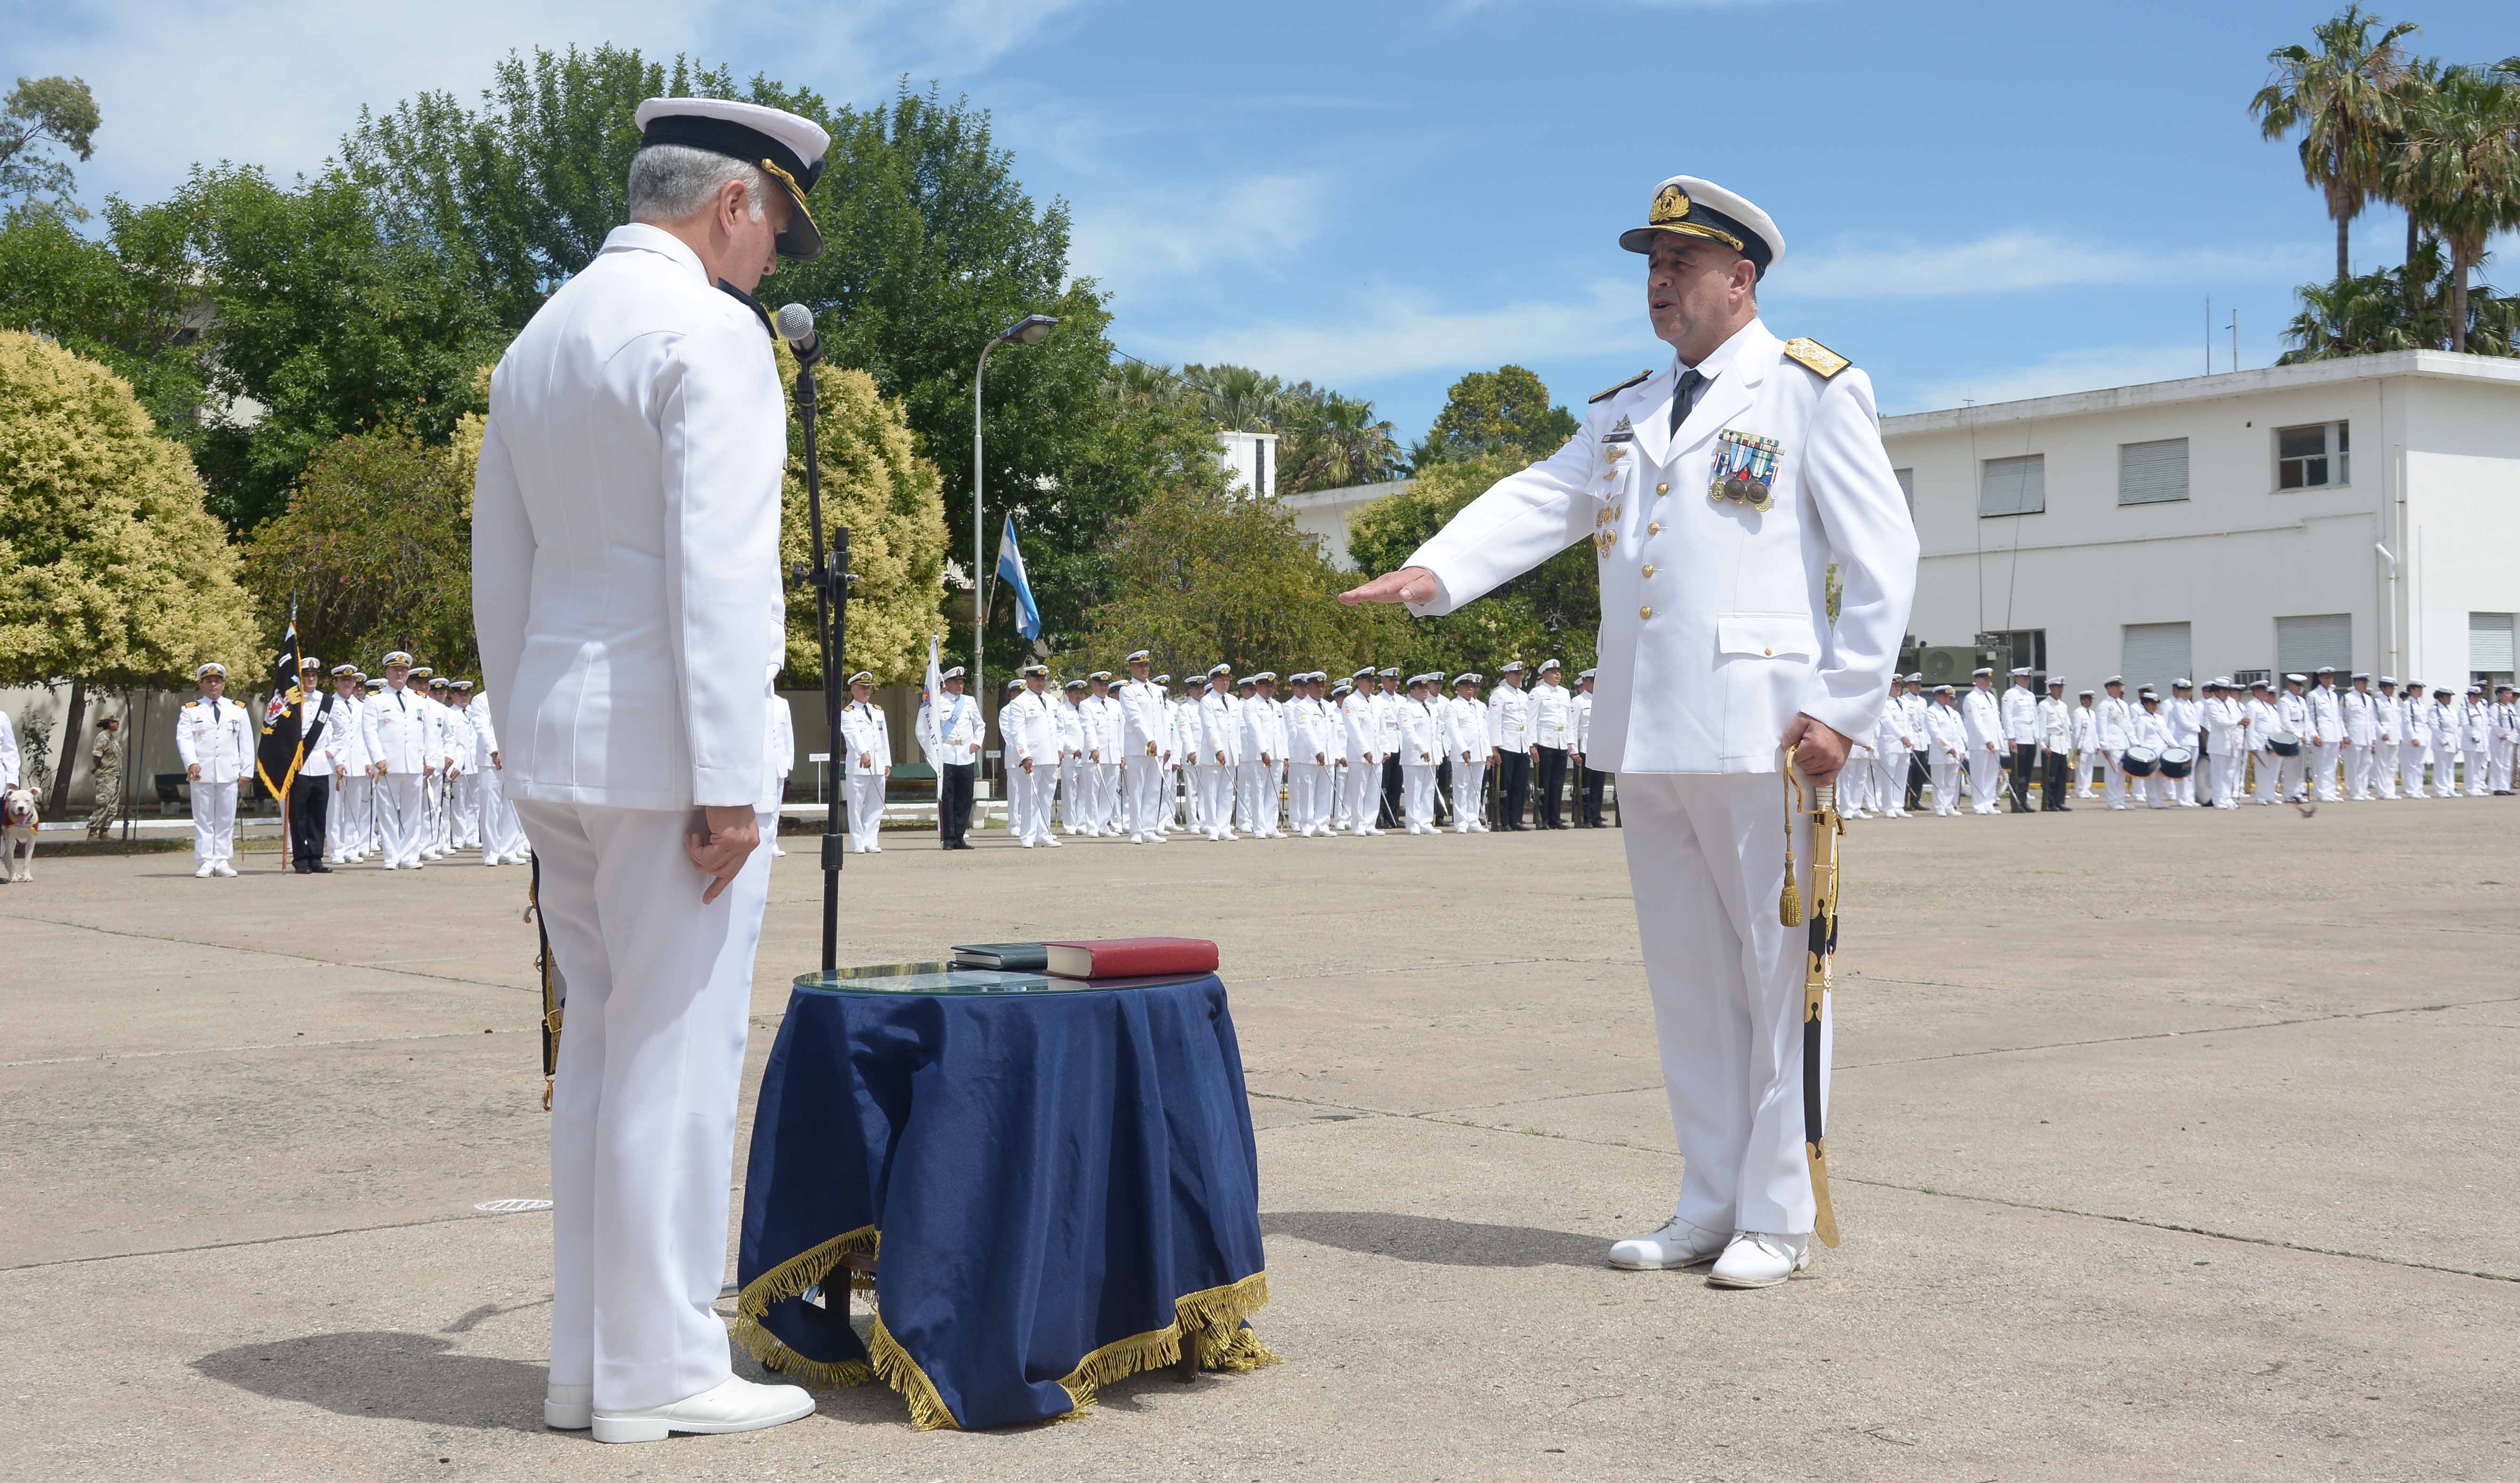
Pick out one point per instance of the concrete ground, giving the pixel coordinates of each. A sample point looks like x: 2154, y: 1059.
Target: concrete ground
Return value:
x: 2178, y: 1146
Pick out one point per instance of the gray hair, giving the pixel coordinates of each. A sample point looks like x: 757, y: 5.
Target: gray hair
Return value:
x: 671, y: 181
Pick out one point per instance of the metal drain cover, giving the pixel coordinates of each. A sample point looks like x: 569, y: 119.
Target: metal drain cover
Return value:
x: 512, y: 1206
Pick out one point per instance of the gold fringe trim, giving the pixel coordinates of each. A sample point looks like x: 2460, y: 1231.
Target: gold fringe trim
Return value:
x: 1214, y: 1318
x: 894, y: 1366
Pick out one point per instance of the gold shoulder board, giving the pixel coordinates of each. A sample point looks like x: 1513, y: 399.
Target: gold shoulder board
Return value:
x: 1821, y: 360
x: 1621, y: 386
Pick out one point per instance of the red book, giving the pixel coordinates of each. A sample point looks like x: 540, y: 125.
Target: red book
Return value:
x: 1133, y: 957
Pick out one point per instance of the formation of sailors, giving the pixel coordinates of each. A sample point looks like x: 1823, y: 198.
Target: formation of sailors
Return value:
x: 405, y: 766
x: 1267, y: 756
x: 2215, y: 745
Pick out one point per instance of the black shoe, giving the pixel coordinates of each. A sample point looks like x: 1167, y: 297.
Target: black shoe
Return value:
x: 319, y: 868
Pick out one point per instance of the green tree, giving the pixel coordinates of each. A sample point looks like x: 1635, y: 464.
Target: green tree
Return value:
x: 2461, y: 162
x: 876, y: 484
x: 2342, y: 99
x: 110, y: 570
x: 1502, y: 412
x: 1552, y: 612
x: 324, y: 326
x: 130, y: 301
x: 2405, y: 308
x: 1202, y: 577
x: 375, y: 551
x: 40, y: 117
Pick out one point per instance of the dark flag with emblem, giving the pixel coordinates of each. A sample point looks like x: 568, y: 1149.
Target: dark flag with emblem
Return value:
x: 282, y: 748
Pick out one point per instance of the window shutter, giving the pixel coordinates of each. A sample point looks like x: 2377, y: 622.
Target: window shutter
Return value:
x: 2156, y: 654
x: 2151, y: 474
x: 2304, y: 644
x: 2013, y: 485
x: 2489, y: 642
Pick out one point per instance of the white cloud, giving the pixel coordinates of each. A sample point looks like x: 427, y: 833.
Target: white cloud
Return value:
x: 2011, y: 262
x: 1140, y: 241
x: 2063, y: 372
x: 1398, y: 332
x: 279, y: 83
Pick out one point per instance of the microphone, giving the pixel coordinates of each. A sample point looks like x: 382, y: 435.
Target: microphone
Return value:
x: 797, y: 328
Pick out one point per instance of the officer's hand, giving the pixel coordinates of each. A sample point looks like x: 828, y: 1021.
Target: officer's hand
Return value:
x: 193, y: 773
x: 1410, y: 584
x: 728, y: 836
x: 1823, y: 750
x: 495, y: 762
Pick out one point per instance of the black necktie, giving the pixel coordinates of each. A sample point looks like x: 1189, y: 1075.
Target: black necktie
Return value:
x: 1685, y: 398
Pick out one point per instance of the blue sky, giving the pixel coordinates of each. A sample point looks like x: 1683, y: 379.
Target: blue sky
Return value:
x: 1980, y: 200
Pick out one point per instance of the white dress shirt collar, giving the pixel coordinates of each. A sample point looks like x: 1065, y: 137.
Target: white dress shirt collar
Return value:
x: 1718, y: 360
x: 640, y: 236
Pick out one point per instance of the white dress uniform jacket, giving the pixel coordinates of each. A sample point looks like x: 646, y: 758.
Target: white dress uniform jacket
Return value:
x: 1984, y: 721
x: 625, y: 537
x: 869, y: 737
x: 1465, y: 730
x: 1509, y: 717
x: 1714, y: 617
x: 956, y: 730
x: 1146, y: 721
x: 216, y: 736
x: 397, y: 731
x: 1220, y: 728
x: 2021, y: 716
x: 1552, y: 718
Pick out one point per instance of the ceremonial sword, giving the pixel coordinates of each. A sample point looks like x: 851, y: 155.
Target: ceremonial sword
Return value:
x: 1820, y: 953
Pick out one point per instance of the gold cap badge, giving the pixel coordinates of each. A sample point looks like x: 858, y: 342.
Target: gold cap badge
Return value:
x: 1670, y: 204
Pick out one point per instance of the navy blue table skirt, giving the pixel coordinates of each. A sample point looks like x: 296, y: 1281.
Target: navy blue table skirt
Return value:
x: 1062, y: 1186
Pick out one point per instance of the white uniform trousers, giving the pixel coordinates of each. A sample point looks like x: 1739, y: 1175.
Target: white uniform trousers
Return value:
x: 866, y: 812
x: 2358, y: 772
x: 2444, y: 770
x: 2183, y: 790
x: 1986, y: 785
x: 1215, y: 800
x: 214, y: 822
x: 400, y: 820
x: 643, y: 1108
x: 1303, y: 794
x: 1364, y: 796
x: 1105, y: 782
x: 2087, y: 772
x: 2498, y: 767
x: 1946, y: 785
x: 2410, y: 769
x: 1706, y: 863
x: 1855, y: 784
x: 1255, y: 813
x: 339, y: 820
x: 1890, y: 784
x: 503, y: 838
x: 1179, y: 799
x: 2323, y: 768
x: 2292, y: 773
x: 1030, y: 796
x: 2226, y: 765
x: 2384, y: 768
x: 2116, y: 788
x: 1470, y: 780
x: 466, y: 831
x: 1070, y: 784
x: 2155, y: 790
x: 1418, y: 797
x: 2472, y: 770
x: 2267, y: 769
x: 1142, y: 792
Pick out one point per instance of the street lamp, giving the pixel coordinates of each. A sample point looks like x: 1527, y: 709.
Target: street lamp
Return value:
x: 1031, y: 329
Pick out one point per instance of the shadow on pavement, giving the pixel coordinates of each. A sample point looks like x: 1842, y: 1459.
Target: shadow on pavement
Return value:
x: 1443, y: 1242
x: 410, y: 1377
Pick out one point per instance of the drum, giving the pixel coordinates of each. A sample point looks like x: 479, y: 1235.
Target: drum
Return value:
x: 2283, y: 744
x: 2139, y: 761
x: 2178, y: 762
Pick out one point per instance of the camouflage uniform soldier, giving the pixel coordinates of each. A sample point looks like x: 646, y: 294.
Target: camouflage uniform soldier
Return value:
x: 105, y: 765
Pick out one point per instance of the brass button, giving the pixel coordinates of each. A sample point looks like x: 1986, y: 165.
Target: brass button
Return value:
x: 1646, y: 612
x: 1649, y: 569
x: 1654, y: 529
x: 1662, y: 490
x: 1767, y: 651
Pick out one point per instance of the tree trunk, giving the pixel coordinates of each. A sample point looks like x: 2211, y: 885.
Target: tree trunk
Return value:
x: 59, y: 806
x: 2457, y: 318
x: 2408, y: 290
x: 2341, y: 226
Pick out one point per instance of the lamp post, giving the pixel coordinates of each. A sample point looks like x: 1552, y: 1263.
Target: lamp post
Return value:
x: 1031, y: 329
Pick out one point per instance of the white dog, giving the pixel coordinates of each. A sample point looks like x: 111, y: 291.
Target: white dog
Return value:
x: 17, y: 820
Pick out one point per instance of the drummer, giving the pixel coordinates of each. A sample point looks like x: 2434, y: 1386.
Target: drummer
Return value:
x: 2151, y: 735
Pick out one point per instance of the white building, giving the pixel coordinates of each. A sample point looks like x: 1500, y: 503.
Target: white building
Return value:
x: 2362, y: 513
x: 1250, y: 460
x: 1324, y: 513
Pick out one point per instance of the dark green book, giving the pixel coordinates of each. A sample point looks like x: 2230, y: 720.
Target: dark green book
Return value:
x: 1013, y: 957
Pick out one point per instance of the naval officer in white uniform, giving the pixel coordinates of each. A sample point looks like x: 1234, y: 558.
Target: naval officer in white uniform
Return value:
x: 626, y: 594
x: 1717, y: 492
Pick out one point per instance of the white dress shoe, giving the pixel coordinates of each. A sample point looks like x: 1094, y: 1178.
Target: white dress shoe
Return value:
x: 739, y: 1405
x: 206, y: 871
x: 1760, y: 1259
x: 569, y: 1407
x: 225, y: 869
x: 1676, y: 1244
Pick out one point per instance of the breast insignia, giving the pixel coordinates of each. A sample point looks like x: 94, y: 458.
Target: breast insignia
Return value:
x: 1820, y: 359
x: 1631, y: 381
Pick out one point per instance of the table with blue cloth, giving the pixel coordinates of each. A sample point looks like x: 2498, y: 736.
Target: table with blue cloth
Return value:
x: 1062, y: 1186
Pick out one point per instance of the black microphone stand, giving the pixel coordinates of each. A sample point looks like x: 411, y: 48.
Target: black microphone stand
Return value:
x: 828, y: 576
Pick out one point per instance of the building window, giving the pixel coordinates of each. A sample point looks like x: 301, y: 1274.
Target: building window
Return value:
x: 2154, y: 654
x: 1907, y: 488
x: 2021, y: 646
x: 2304, y: 644
x: 2313, y: 457
x: 2152, y: 473
x: 1260, y: 484
x: 2013, y: 486
x: 2489, y: 644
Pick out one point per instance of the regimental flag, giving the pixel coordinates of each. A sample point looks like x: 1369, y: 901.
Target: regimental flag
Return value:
x: 282, y: 748
x: 1011, y: 569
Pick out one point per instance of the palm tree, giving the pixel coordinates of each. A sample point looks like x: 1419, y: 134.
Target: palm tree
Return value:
x: 2340, y: 97
x: 2461, y: 160
x: 2415, y: 86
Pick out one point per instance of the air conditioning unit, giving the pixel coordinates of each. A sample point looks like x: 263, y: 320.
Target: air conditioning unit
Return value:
x: 1947, y: 664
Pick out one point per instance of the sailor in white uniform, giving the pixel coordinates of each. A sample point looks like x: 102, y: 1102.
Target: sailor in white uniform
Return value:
x: 1984, y: 719
x: 2226, y: 742
x: 2182, y: 715
x: 345, y: 821
x: 1028, y: 735
x: 1946, y: 751
x: 2361, y: 723
x: 2113, y: 720
x: 1718, y: 493
x: 2388, y: 729
x: 2326, y: 734
x: 1465, y: 737
x: 2260, y: 717
x: 1361, y: 727
x: 2056, y: 747
x: 866, y: 752
x: 628, y: 597
x: 1145, y: 749
x: 2086, y: 746
x: 1420, y: 748
x: 215, y: 739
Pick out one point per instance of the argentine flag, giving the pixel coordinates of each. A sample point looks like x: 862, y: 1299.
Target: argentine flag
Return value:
x: 1011, y: 571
